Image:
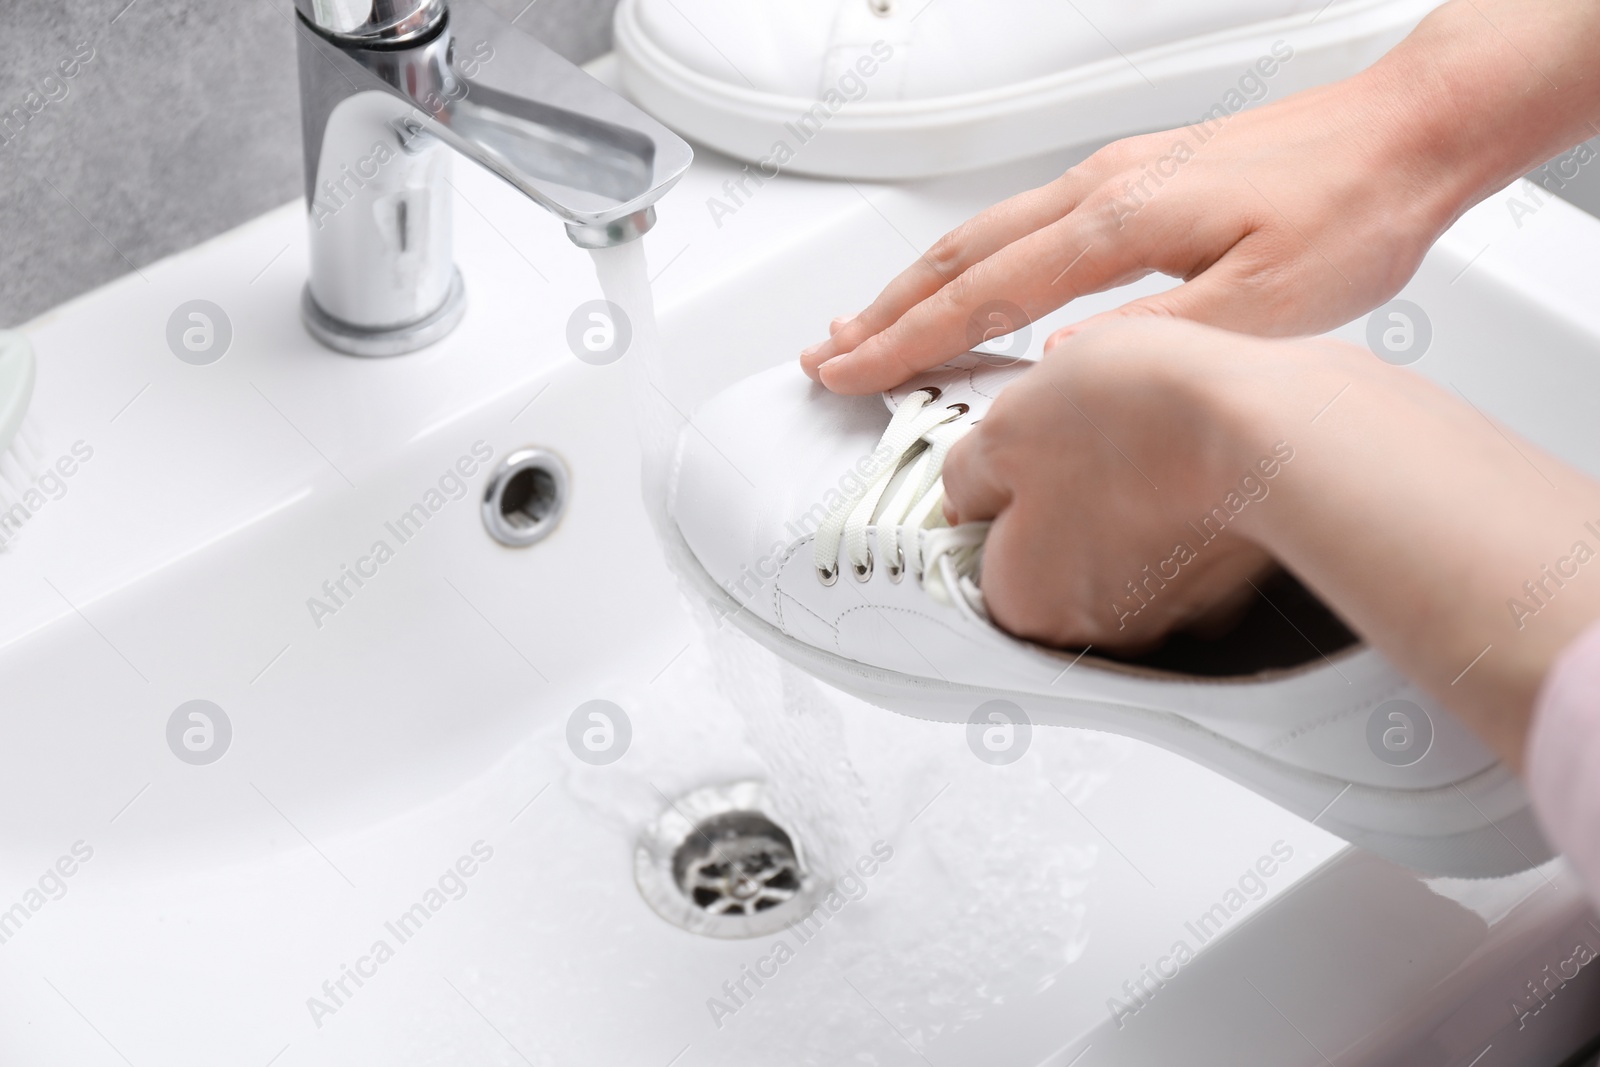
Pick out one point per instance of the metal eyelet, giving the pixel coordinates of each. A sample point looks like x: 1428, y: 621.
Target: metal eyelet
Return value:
x: 881, y: 8
x: 934, y: 393
x: 897, y: 569
x: 958, y: 407
x: 828, y: 575
x: 862, y: 571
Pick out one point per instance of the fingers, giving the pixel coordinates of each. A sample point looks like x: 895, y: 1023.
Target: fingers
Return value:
x: 972, y: 492
x: 970, y: 243
x: 1037, y: 273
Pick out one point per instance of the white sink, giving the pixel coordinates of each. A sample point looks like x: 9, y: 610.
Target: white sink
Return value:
x: 429, y: 713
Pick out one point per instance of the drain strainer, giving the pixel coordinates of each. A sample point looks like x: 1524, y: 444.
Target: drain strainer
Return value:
x: 717, y: 862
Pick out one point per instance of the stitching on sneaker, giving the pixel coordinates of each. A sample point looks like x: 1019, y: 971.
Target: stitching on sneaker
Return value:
x: 782, y: 596
x: 904, y: 611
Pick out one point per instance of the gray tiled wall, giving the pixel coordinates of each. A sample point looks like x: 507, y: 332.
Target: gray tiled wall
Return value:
x: 184, y: 123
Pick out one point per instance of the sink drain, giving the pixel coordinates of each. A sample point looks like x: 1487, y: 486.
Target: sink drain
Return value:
x: 738, y: 864
x: 718, y: 863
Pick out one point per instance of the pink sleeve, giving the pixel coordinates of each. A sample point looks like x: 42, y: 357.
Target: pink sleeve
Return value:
x: 1563, y: 757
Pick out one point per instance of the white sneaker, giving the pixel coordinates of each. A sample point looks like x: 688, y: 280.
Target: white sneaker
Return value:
x: 814, y: 522
x: 909, y: 88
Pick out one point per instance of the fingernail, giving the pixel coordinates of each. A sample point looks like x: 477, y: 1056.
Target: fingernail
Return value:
x: 829, y: 363
x: 807, y: 353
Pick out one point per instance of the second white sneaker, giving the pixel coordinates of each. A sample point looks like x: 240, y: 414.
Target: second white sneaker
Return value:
x: 909, y: 88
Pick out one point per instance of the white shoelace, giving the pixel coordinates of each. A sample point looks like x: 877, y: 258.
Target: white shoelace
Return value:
x: 912, y: 533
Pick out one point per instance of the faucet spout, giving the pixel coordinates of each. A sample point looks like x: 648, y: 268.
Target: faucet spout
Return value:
x: 389, y: 92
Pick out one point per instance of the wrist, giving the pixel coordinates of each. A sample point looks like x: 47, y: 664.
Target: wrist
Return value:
x: 1425, y: 151
x: 1257, y: 399
x: 1458, y: 109
x: 1228, y: 398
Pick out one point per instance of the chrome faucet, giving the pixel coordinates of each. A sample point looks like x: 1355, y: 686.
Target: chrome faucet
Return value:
x: 387, y: 89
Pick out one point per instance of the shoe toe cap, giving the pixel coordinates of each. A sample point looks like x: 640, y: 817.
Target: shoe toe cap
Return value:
x: 759, y: 468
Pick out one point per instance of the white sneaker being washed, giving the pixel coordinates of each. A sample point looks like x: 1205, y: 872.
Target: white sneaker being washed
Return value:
x: 814, y: 522
x: 910, y: 88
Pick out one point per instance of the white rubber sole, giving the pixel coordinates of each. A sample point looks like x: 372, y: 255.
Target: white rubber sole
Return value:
x: 1479, y: 827
x: 1152, y: 89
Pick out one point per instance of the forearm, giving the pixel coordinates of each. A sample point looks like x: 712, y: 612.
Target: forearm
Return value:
x: 1449, y: 545
x: 1484, y: 91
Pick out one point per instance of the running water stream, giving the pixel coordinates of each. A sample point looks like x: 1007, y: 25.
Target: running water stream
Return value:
x: 793, y: 724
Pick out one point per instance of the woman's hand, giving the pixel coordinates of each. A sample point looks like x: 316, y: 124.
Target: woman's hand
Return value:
x: 1116, y: 476
x: 1287, y: 220
x: 1181, y: 459
x: 1290, y: 219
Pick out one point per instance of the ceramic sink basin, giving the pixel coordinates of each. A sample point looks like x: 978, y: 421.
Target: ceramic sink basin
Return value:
x: 405, y: 744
